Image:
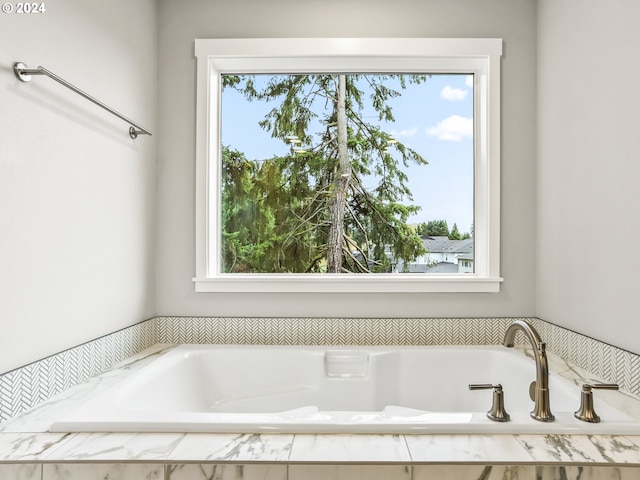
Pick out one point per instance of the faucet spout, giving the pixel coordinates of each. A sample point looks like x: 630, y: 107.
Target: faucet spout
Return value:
x: 542, y: 408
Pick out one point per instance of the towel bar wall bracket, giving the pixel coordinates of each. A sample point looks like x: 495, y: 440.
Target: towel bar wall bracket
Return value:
x: 24, y: 75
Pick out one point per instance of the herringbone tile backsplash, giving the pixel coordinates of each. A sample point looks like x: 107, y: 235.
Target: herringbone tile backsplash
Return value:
x: 333, y: 331
x: 28, y: 386
x: 25, y: 387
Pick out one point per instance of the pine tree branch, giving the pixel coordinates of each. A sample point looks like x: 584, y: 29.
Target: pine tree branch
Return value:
x: 349, y: 254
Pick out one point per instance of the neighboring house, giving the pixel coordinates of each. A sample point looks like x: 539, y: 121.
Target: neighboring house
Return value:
x: 465, y: 263
x: 443, y: 256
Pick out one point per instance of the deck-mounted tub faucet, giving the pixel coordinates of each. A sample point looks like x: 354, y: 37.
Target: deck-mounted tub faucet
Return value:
x: 542, y: 409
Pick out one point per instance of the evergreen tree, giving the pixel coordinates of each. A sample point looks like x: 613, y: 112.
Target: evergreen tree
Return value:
x: 434, y: 228
x: 455, y: 233
x: 261, y: 203
x: 316, y: 205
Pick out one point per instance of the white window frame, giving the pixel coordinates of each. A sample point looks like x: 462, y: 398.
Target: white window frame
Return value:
x: 480, y: 57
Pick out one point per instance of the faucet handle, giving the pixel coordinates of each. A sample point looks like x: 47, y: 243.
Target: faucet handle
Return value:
x: 497, y: 412
x: 586, y: 412
x: 602, y: 386
x: 483, y: 386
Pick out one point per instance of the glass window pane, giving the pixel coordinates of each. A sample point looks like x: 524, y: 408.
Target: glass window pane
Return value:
x: 359, y: 173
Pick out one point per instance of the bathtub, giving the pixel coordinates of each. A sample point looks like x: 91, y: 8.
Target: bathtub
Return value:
x: 296, y: 389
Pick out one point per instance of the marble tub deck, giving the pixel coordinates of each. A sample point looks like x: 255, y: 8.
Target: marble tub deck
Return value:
x: 29, y: 452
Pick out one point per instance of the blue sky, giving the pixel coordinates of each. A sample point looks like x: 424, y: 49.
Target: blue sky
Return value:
x: 434, y: 118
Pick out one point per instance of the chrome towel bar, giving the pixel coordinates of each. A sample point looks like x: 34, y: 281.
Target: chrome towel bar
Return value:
x: 24, y: 74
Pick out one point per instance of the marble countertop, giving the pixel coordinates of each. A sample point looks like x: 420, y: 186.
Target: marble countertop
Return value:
x: 25, y: 439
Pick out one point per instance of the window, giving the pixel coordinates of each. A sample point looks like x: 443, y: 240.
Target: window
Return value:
x: 226, y: 65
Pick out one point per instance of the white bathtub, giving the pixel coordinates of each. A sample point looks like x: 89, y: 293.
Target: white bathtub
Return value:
x: 253, y: 389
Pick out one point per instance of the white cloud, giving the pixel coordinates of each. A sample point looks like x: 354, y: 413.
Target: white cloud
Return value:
x: 453, y: 129
x: 450, y: 93
x: 409, y: 132
x: 469, y: 81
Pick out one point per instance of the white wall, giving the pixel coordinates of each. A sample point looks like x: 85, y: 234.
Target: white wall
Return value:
x: 76, y: 193
x: 181, y: 22
x: 589, y: 167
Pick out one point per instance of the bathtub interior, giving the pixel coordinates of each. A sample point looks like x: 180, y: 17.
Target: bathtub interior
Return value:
x: 327, y: 389
x: 247, y: 380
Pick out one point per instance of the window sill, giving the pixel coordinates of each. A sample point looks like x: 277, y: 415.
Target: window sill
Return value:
x: 346, y: 283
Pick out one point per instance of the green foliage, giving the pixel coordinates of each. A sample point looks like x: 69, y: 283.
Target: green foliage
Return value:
x: 440, y: 228
x: 455, y: 233
x: 261, y: 204
x: 275, y: 212
x: 434, y: 228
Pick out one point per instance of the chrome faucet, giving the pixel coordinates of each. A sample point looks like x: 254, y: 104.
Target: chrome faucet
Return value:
x: 542, y: 409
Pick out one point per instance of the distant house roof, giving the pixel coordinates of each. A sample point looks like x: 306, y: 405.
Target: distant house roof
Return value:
x: 442, y: 267
x: 442, y: 244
